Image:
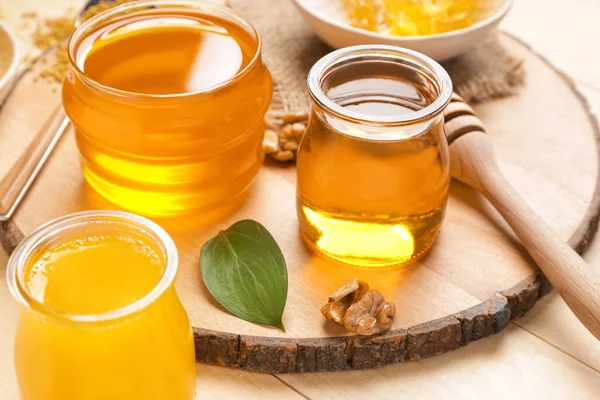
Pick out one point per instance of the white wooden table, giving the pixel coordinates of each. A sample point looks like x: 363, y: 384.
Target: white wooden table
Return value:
x: 545, y: 355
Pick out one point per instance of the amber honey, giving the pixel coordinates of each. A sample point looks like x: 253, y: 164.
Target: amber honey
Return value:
x: 168, y: 101
x: 373, y: 168
x: 99, y: 314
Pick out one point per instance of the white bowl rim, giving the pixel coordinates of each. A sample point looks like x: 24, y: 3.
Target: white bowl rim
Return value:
x: 12, y: 69
x: 497, y: 16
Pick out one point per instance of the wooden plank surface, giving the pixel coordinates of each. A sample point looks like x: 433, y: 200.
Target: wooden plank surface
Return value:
x: 547, y: 363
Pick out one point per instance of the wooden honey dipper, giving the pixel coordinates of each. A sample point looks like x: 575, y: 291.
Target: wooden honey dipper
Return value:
x: 473, y: 163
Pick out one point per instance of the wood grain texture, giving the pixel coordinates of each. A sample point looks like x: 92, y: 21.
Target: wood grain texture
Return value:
x: 450, y: 304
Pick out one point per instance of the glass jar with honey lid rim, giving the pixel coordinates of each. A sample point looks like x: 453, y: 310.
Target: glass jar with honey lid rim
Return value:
x: 373, y: 165
x: 168, y: 99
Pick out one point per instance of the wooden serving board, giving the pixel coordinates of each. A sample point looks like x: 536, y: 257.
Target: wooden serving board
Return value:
x: 474, y: 281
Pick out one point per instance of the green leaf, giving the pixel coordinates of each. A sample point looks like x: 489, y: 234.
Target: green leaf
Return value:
x: 244, y: 270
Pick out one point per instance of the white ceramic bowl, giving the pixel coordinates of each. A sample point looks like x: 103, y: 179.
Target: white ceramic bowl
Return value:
x: 330, y: 22
x: 8, y: 72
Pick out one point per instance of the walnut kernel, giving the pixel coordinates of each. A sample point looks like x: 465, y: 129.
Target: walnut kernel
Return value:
x: 359, y: 310
x: 288, y: 128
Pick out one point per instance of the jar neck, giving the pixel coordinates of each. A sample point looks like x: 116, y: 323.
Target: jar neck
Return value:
x: 376, y: 132
x: 374, y: 61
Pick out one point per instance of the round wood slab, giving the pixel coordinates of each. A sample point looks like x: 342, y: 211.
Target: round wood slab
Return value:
x: 474, y: 281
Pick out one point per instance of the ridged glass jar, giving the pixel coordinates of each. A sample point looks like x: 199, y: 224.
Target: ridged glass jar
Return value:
x: 170, y: 154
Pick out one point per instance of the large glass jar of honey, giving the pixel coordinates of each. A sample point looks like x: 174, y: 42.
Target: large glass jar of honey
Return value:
x: 168, y: 99
x: 373, y: 165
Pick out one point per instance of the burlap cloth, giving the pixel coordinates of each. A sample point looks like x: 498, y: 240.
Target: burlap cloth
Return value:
x: 291, y: 48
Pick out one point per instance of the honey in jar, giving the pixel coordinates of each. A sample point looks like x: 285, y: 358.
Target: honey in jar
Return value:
x: 168, y: 101
x: 373, y: 166
x: 99, y: 314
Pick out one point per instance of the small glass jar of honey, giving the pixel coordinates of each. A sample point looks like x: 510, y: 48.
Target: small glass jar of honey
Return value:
x: 168, y: 99
x: 99, y: 314
x: 373, y: 165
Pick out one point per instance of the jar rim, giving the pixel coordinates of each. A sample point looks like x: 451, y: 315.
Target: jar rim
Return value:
x: 211, y: 8
x: 21, y: 254
x: 339, y: 57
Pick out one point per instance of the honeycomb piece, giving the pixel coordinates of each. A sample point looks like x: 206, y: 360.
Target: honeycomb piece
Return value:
x: 412, y: 17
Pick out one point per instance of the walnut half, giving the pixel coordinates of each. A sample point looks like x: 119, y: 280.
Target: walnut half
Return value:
x: 359, y: 310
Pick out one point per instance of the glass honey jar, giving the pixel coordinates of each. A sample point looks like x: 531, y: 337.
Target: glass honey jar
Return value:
x: 373, y: 165
x: 99, y: 314
x: 168, y: 99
